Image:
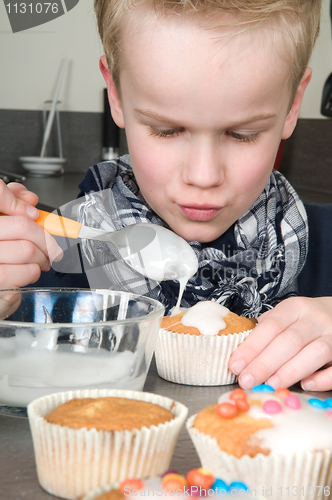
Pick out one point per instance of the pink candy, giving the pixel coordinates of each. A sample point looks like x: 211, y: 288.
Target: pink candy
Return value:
x: 271, y: 406
x: 293, y: 402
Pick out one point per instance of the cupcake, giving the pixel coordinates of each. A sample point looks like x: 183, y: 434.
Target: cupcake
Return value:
x: 195, y: 345
x: 83, y: 439
x: 198, y: 482
x: 278, y: 442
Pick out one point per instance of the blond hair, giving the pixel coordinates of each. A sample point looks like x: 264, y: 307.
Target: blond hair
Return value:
x: 297, y: 21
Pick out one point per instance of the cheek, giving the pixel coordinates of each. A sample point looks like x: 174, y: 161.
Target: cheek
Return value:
x: 256, y: 174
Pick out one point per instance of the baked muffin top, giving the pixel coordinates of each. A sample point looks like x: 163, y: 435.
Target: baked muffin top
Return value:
x: 108, y: 414
x: 207, y: 318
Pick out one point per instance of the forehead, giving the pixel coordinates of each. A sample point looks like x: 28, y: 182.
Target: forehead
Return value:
x: 163, y: 53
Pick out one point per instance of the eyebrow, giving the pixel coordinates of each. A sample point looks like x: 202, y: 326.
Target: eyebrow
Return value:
x: 165, y: 119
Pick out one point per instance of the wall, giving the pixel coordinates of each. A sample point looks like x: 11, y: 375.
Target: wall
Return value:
x: 30, y: 62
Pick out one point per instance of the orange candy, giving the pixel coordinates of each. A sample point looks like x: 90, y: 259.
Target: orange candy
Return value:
x: 238, y: 394
x: 201, y: 478
x: 242, y: 405
x: 226, y: 410
x: 127, y: 486
x: 174, y: 482
x: 282, y: 392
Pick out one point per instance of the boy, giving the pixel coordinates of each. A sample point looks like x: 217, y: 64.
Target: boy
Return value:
x: 206, y: 90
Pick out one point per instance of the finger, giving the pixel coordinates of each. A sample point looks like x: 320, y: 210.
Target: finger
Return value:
x: 17, y: 276
x: 271, y: 324
x: 310, y: 359
x: 10, y: 204
x: 19, y: 227
x: 319, y: 381
x: 21, y: 192
x: 276, y: 357
x: 23, y: 252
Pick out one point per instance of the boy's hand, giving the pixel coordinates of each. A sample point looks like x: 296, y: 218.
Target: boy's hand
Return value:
x: 25, y: 248
x: 290, y: 343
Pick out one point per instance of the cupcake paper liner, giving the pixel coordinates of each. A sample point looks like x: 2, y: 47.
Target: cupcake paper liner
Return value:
x: 72, y: 461
x: 196, y: 359
x: 303, y: 475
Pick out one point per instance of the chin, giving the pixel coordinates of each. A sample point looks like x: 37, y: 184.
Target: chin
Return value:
x: 200, y: 234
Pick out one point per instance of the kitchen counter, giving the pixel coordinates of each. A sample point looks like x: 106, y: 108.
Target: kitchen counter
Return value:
x: 18, y: 477
x: 55, y: 191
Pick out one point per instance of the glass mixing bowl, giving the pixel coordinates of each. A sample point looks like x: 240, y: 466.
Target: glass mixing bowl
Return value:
x: 55, y: 340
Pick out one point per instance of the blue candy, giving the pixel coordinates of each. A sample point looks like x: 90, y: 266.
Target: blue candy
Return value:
x: 263, y: 388
x: 237, y: 485
x: 317, y: 403
x: 220, y: 487
x: 328, y: 402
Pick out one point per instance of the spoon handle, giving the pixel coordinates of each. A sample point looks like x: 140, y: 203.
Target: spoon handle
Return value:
x: 57, y: 225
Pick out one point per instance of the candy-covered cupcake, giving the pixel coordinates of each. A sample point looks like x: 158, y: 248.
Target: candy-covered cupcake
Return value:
x: 197, y: 483
x: 276, y: 441
x: 194, y: 346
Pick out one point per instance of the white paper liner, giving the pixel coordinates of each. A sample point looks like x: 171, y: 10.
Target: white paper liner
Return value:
x: 72, y: 461
x: 196, y: 359
x: 274, y: 476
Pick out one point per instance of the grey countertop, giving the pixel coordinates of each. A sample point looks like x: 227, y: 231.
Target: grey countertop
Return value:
x: 53, y: 192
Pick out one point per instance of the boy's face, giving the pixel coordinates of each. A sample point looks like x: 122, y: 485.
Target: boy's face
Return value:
x: 204, y: 117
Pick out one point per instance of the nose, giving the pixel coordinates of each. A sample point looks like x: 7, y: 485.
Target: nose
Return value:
x: 203, y: 165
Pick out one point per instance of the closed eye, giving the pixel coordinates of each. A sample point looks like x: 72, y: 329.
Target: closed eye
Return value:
x: 164, y: 132
x: 243, y: 137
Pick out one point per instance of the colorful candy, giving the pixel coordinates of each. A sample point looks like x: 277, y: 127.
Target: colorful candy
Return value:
x: 220, y: 487
x: 238, y: 485
x: 242, y: 405
x: 226, y: 410
x: 328, y: 402
x: 271, y: 406
x: 127, y: 486
x: 293, y: 402
x: 263, y: 388
x: 282, y: 392
x: 201, y: 481
x: 317, y: 403
x: 202, y: 478
x: 238, y: 394
x: 174, y: 482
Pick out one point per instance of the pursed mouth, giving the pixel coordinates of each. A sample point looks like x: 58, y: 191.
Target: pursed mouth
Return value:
x: 200, y: 213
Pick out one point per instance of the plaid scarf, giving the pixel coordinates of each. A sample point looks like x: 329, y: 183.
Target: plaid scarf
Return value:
x: 249, y: 269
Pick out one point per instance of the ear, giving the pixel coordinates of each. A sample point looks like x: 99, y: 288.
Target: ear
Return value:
x: 112, y: 92
x: 293, y: 115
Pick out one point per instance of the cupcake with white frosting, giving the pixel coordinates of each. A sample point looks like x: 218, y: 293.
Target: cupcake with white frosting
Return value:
x: 194, y: 346
x: 278, y: 442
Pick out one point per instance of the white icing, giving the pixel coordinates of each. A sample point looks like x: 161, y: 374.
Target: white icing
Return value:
x: 26, y: 374
x: 304, y: 429
x: 166, y: 257
x: 207, y: 316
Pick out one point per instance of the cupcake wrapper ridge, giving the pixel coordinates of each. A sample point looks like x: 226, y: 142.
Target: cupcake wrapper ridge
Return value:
x: 72, y: 461
x: 196, y: 359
